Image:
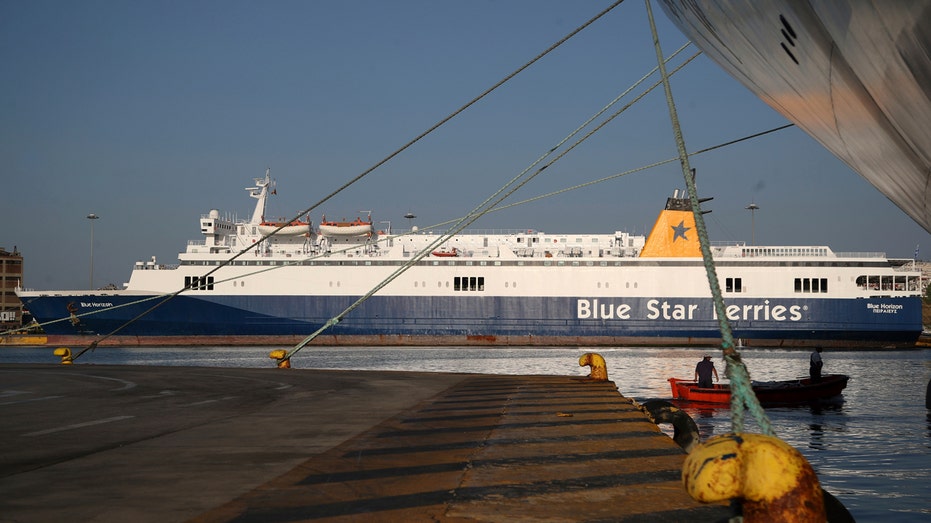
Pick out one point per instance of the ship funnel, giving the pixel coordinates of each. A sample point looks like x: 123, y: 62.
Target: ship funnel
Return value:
x: 674, y: 234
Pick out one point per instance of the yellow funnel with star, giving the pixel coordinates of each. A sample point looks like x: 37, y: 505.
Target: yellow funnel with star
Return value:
x: 674, y: 234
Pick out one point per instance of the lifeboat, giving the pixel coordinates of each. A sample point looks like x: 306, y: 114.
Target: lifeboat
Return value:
x: 358, y: 227
x: 294, y: 228
x: 446, y: 253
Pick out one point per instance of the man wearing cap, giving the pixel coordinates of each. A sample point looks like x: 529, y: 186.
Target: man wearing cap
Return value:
x: 703, y: 372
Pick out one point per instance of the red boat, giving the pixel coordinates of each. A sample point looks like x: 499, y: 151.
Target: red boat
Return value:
x: 800, y: 390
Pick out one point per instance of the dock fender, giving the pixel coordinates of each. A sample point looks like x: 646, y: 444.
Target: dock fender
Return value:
x: 685, y: 431
x: 771, y: 480
x: 597, y: 364
x: 837, y: 512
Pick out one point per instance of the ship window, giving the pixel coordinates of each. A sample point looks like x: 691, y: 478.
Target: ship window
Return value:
x: 198, y: 283
x: 469, y: 283
x: 812, y: 285
x: 733, y: 285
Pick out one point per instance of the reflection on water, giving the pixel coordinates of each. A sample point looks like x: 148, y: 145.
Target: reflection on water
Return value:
x: 872, y: 450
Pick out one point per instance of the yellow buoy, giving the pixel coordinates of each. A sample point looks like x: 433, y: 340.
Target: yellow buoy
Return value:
x: 773, y: 480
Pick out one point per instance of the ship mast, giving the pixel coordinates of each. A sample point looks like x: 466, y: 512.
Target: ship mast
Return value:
x: 260, y: 193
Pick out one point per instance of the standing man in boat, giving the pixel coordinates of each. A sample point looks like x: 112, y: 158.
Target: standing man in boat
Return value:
x: 814, y: 370
x: 703, y: 372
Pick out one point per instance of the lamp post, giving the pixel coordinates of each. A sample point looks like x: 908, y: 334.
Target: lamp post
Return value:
x: 752, y: 208
x: 92, y: 217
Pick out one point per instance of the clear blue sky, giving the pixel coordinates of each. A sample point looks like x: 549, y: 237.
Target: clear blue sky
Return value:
x: 151, y: 113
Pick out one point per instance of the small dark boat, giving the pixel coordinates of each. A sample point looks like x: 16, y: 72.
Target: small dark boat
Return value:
x: 801, y: 390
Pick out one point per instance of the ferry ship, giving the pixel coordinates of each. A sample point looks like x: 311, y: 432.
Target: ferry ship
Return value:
x: 263, y: 282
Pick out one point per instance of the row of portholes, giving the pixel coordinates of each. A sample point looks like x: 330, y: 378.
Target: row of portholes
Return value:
x: 241, y: 283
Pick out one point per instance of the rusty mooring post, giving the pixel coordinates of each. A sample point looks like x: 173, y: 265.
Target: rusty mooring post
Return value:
x: 597, y: 363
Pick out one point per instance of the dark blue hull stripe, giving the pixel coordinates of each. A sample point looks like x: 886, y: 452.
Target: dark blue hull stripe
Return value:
x: 892, y: 319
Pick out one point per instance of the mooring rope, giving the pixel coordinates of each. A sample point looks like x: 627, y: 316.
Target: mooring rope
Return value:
x: 427, y: 227
x: 372, y: 168
x: 742, y: 396
x: 492, y: 201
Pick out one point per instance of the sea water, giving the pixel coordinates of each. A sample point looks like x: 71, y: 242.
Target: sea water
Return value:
x: 871, y: 449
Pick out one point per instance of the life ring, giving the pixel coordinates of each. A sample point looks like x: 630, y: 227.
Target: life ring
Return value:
x: 685, y: 431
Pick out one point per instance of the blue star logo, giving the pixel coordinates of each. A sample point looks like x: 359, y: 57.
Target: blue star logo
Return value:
x: 679, y: 231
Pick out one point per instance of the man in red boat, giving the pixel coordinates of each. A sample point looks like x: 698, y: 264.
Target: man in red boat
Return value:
x: 815, y: 368
x: 703, y: 372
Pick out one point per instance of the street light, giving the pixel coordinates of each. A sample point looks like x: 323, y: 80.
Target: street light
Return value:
x: 752, y: 208
x: 92, y: 217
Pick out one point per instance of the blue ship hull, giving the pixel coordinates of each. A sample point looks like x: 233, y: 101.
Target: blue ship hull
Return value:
x: 438, y: 320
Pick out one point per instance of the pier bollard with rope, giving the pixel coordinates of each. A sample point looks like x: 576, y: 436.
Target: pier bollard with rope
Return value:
x: 771, y: 479
x: 65, y: 354
x: 281, y: 355
x: 599, y: 369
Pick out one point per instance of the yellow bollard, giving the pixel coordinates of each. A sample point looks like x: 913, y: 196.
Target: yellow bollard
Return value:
x: 597, y: 364
x: 283, y: 363
x: 65, y: 354
x: 773, y: 480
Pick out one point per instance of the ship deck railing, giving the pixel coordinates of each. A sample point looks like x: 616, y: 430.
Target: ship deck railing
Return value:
x: 863, y: 254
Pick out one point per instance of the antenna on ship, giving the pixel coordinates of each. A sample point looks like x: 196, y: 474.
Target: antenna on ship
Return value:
x: 752, y: 208
x: 410, y: 216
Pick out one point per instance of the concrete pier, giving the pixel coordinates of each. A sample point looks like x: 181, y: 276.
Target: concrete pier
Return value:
x: 125, y: 443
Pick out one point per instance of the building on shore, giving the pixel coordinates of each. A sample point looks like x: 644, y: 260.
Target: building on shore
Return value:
x: 11, y: 277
